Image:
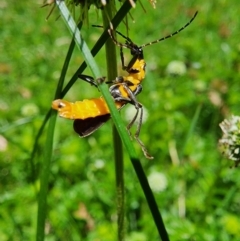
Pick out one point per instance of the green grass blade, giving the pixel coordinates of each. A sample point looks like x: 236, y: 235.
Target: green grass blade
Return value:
x: 15, y: 124
x: 191, y: 129
x: 150, y: 199
x: 45, y: 172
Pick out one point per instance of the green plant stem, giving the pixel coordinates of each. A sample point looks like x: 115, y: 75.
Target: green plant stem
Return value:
x: 190, y: 130
x: 111, y: 60
x: 45, y: 172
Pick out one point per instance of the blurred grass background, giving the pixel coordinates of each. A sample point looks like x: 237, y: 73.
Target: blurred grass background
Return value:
x: 196, y: 190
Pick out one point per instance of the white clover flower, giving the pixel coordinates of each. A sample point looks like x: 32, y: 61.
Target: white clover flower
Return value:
x: 99, y: 164
x: 3, y: 143
x: 157, y: 181
x: 176, y: 67
x: 29, y: 109
x: 229, y: 144
x: 130, y: 112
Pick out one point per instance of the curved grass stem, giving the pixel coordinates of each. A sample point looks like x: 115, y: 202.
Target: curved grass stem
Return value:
x: 111, y: 60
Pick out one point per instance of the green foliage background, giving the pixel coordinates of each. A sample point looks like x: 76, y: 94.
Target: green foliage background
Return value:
x: 201, y: 197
